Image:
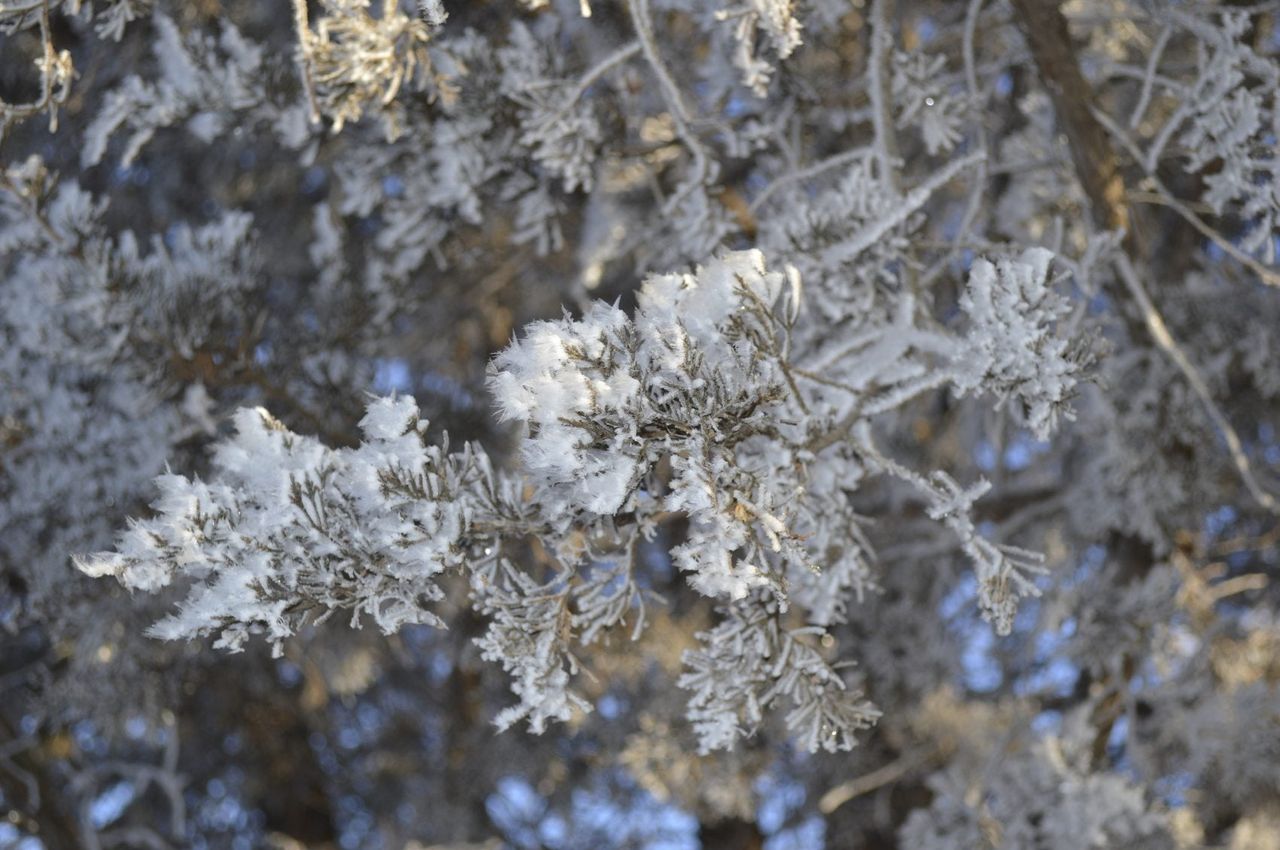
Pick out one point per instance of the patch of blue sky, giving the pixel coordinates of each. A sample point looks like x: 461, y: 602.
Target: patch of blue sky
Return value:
x: 441, y: 666
x: 780, y: 797
x: 1022, y: 451
x: 515, y: 808
x: 357, y: 830
x: 11, y: 838
x: 985, y: 455
x: 1118, y: 744
x: 737, y: 106
x: 1175, y: 788
x: 1047, y: 722
x: 926, y: 29
x: 1091, y: 562
x: 314, y: 179
x: 1048, y: 643
x: 136, y: 727
x: 656, y: 556
x: 223, y: 813
x: 289, y: 674
x: 1219, y: 521
x: 1099, y: 304
x: 639, y: 821
x: 107, y: 808
x: 452, y: 390
x: 86, y: 736
x: 369, y: 716
x: 349, y: 738
x: 392, y: 374
x: 611, y: 707
x: 597, y: 816
x: 137, y: 175
x: 1057, y: 677
x: 553, y: 830
x: 959, y: 598
x: 10, y: 610
x: 809, y: 834
x: 979, y: 670
x: 419, y: 636
x: 172, y: 233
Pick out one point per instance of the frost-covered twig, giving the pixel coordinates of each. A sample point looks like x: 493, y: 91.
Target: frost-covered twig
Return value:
x: 1001, y: 569
x: 697, y: 381
x: 977, y: 187
x: 878, y: 88
x: 1163, y: 338
x: 912, y: 201
x: 1148, y: 80
x: 55, y: 74
x: 809, y: 172
x: 1166, y: 198
x: 302, y: 28
x: 604, y: 66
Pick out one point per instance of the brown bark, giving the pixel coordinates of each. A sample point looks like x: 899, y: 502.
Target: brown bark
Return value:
x: 1097, y: 168
x: 1096, y: 164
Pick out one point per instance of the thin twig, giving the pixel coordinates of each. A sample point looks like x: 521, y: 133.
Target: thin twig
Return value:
x: 1166, y: 198
x: 1160, y: 333
x: 914, y: 200
x: 1148, y: 81
x: 12, y: 114
x: 643, y: 24
x: 879, y: 91
x: 843, y: 158
x: 868, y: 782
x: 617, y: 57
x: 303, y: 26
x: 973, y: 205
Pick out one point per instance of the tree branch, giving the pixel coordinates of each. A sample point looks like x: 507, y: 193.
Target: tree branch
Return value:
x: 1095, y: 160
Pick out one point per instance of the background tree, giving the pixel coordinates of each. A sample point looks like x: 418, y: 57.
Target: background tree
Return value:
x: 901, y: 471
